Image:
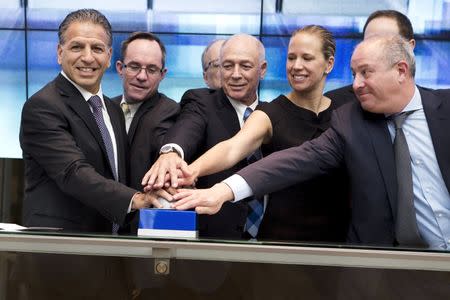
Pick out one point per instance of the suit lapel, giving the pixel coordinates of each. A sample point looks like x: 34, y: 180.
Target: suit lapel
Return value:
x: 142, y: 110
x: 384, y: 151
x: 437, y: 113
x: 79, y: 106
x: 227, y: 115
x: 119, y: 133
x: 75, y: 100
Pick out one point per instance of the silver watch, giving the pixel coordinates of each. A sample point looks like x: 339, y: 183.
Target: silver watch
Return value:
x: 167, y: 149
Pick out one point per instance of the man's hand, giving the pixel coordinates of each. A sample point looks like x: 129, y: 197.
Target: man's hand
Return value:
x: 145, y: 200
x: 188, y: 176
x: 164, y: 170
x: 206, y: 201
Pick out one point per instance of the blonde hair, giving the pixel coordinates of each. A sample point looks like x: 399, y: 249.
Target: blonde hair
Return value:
x: 328, y: 42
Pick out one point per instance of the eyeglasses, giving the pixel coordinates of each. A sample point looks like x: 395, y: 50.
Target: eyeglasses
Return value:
x: 214, y: 64
x: 135, y: 69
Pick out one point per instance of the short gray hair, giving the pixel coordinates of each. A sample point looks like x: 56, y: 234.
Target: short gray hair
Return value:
x: 83, y: 16
x: 204, y: 62
x: 259, y: 45
x: 394, y: 48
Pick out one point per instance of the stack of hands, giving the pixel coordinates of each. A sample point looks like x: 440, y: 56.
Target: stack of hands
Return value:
x: 170, y: 183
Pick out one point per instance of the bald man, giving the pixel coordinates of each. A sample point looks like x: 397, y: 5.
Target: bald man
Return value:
x: 380, y: 22
x: 211, y: 116
x: 211, y: 64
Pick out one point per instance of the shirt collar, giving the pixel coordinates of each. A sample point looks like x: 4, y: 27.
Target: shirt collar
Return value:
x: 86, y: 94
x: 240, y: 107
x: 133, y: 106
x: 414, y: 104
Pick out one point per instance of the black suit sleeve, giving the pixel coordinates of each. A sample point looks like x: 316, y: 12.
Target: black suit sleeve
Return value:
x: 297, y: 164
x: 167, y: 117
x: 189, y: 130
x: 50, y: 138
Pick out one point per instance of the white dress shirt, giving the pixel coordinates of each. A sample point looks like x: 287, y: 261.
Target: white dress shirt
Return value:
x: 431, y: 197
x: 133, y: 107
x: 238, y: 106
x: 87, y: 95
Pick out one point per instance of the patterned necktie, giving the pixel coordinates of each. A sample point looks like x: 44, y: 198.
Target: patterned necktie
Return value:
x: 406, y: 230
x: 255, y: 205
x: 125, y: 108
x: 127, y: 114
x: 96, y: 103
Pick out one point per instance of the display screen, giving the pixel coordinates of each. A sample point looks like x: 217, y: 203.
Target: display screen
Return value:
x: 28, y: 41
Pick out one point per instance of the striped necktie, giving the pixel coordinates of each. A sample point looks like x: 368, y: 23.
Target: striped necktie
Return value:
x: 255, y: 205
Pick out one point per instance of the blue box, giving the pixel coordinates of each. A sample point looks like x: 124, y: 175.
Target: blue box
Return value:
x: 167, y: 223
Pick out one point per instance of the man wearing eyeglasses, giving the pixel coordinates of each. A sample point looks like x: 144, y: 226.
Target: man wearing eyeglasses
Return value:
x: 211, y: 65
x: 73, y: 140
x: 148, y: 113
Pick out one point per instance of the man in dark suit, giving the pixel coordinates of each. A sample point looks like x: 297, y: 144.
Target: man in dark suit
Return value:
x: 379, y: 22
x: 360, y: 138
x: 209, y: 117
x: 148, y: 113
x: 73, y: 138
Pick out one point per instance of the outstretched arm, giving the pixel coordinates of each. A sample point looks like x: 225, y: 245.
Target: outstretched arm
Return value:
x: 205, y: 201
x: 256, y: 131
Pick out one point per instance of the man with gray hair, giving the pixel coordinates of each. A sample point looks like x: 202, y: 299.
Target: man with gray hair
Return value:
x: 74, y: 141
x: 210, y: 116
x: 211, y: 65
x: 393, y: 142
x: 379, y: 22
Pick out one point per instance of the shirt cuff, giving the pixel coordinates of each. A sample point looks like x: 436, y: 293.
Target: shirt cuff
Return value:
x: 178, y: 148
x: 129, y: 206
x: 239, y: 187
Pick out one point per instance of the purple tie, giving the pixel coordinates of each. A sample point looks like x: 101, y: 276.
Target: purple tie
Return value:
x: 96, y: 104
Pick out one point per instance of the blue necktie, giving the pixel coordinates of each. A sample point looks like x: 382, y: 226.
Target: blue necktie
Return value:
x: 255, y: 205
x: 96, y: 103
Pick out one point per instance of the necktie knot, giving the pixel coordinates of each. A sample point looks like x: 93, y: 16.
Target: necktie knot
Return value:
x: 95, y: 102
x: 400, y: 119
x: 248, y: 111
x: 125, y: 108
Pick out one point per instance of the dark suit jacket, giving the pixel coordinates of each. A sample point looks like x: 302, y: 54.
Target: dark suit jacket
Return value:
x: 361, y: 142
x: 145, y: 136
x: 207, y: 118
x: 68, y: 179
x: 342, y: 95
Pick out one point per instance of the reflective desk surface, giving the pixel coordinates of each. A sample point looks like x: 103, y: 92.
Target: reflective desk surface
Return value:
x: 52, y: 265
x: 225, y: 250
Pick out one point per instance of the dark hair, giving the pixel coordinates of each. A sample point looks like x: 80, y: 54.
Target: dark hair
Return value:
x: 404, y: 24
x: 84, y: 15
x: 143, y: 36
x: 328, y: 42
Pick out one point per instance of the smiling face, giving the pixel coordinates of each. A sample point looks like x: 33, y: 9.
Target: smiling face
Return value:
x: 306, y: 66
x: 144, y: 53
x: 85, y: 54
x: 241, y: 68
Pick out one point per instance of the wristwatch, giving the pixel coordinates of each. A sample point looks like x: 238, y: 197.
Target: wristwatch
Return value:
x: 167, y: 149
